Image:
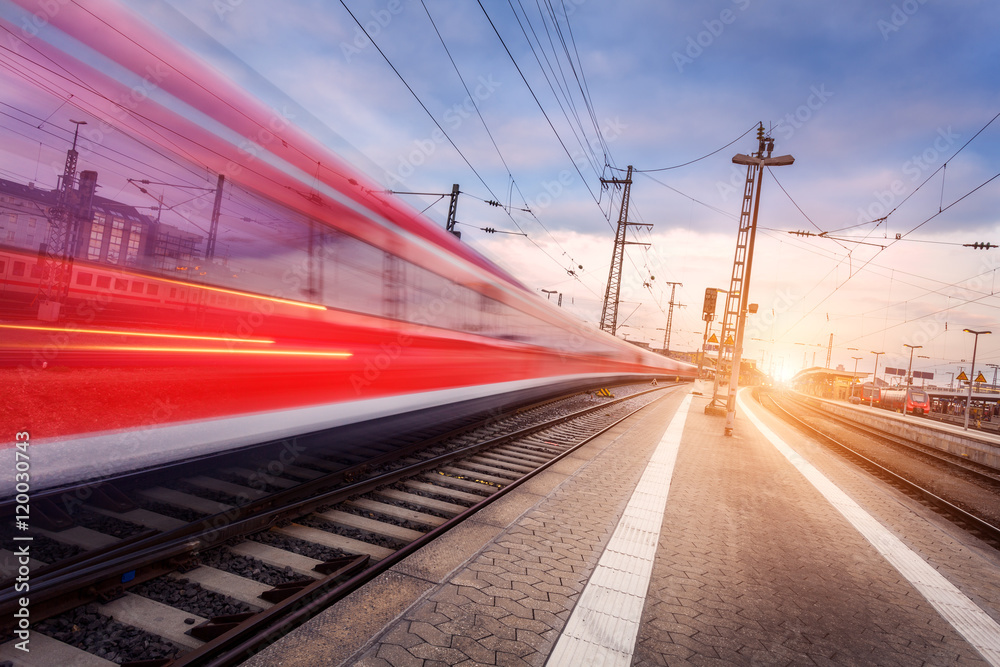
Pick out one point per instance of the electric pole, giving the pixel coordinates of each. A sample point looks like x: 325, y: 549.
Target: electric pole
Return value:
x: 829, y: 351
x: 449, y: 225
x: 452, y: 210
x: 609, y: 313
x: 670, y: 315
x: 213, y: 230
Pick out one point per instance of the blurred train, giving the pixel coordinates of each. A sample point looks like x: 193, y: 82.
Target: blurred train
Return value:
x: 908, y: 400
x: 355, y: 308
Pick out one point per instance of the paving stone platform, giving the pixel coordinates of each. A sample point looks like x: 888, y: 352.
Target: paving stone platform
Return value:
x: 753, y: 566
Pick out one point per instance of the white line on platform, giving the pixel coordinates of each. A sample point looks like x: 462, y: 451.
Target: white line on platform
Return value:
x: 964, y: 615
x: 603, y: 626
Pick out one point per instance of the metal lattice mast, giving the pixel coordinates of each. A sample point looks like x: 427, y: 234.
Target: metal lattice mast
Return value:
x: 734, y: 297
x: 609, y: 313
x: 744, y: 260
x: 829, y: 352
x: 670, y: 315
x: 56, y: 254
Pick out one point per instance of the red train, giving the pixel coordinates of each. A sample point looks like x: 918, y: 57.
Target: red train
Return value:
x: 348, y: 308
x: 908, y: 400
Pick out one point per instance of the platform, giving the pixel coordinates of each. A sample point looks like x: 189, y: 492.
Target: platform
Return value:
x: 770, y: 550
x: 974, y: 444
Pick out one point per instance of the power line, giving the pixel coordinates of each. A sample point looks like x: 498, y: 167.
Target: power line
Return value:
x: 684, y: 164
x: 542, y: 109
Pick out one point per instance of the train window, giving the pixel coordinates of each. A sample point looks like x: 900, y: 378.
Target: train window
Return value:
x: 19, y: 268
x: 173, y: 292
x: 137, y: 287
x: 3, y: 266
x: 104, y: 282
x: 121, y: 284
x: 152, y: 290
x: 84, y: 278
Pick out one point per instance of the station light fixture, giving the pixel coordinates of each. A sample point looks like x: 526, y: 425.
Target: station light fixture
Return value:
x: 972, y: 372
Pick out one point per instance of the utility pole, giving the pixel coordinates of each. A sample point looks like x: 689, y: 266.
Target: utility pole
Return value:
x: 670, y: 316
x: 829, y: 351
x: 452, y: 210
x: 213, y: 230
x: 452, y: 205
x: 609, y: 312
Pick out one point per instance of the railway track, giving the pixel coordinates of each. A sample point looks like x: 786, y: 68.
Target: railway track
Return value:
x: 967, y: 494
x: 254, y: 563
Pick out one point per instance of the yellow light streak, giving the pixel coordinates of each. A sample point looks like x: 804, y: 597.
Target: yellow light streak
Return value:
x: 249, y: 295
x: 208, y: 350
x: 113, y: 332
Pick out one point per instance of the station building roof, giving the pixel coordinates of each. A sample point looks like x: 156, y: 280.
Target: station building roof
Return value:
x: 818, y: 374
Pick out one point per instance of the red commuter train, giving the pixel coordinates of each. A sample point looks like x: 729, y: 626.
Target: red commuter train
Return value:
x: 909, y: 400
x: 349, y: 308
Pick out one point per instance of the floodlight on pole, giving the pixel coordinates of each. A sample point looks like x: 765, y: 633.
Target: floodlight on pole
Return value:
x: 871, y: 402
x: 759, y: 161
x: 909, y: 380
x: 972, y: 372
x: 854, y: 380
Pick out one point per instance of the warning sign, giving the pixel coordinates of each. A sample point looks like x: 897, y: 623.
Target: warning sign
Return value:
x: 963, y: 377
x: 730, y: 341
x: 713, y: 339
x: 980, y: 378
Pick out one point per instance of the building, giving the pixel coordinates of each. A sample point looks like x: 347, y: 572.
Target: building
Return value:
x: 110, y: 232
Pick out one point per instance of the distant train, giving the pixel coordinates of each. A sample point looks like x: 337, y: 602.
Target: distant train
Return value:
x: 908, y: 400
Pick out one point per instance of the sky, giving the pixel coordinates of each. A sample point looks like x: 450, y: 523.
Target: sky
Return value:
x: 879, y: 103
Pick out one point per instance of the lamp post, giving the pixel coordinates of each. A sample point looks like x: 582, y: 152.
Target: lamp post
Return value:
x: 760, y: 161
x: 909, y: 380
x: 854, y: 380
x: 972, y: 373
x: 923, y: 378
x: 871, y: 402
x: 548, y: 293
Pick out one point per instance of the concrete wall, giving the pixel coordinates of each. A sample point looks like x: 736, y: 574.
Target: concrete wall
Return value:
x: 971, y: 446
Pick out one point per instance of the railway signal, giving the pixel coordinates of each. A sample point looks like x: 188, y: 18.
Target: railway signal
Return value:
x: 708, y: 310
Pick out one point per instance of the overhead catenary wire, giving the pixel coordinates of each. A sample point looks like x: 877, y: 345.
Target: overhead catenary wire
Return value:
x: 479, y: 113
x: 438, y: 124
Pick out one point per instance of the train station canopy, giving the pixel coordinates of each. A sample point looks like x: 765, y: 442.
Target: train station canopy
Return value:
x: 819, y: 381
